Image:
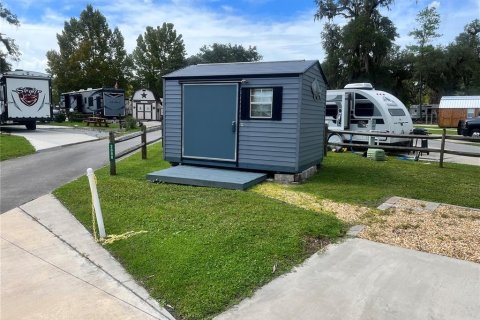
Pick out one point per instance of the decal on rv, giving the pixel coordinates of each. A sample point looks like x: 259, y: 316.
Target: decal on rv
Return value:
x: 28, y: 96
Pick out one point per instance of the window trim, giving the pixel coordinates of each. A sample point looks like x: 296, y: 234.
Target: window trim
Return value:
x: 277, y: 103
x: 258, y: 103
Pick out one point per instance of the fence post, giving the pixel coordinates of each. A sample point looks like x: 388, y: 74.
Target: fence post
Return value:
x: 325, y: 140
x: 442, y: 147
x: 144, y: 142
x: 111, y: 153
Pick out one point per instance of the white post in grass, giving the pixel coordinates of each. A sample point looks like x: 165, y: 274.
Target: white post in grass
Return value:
x: 96, y: 202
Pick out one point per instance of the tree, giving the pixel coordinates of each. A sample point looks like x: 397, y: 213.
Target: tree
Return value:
x: 158, y: 52
x: 428, y: 21
x: 463, y: 60
x: 90, y: 55
x: 8, y: 44
x: 358, y: 50
x: 222, y: 53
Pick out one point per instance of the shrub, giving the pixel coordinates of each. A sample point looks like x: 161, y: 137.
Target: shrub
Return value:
x: 59, y: 117
x: 130, y: 122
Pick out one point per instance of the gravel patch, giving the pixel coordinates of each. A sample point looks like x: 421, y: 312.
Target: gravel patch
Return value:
x: 425, y: 226
x: 435, y: 228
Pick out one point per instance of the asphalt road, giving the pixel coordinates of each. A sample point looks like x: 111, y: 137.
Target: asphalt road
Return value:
x: 454, y: 146
x: 27, y: 178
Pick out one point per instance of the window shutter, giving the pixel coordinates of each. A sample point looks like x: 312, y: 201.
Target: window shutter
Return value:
x: 277, y: 103
x: 245, y: 104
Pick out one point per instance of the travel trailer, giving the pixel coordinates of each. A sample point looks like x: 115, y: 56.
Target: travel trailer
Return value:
x: 25, y: 97
x: 359, y: 107
x: 106, y: 102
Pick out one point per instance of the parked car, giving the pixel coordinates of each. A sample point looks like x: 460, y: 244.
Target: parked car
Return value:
x: 469, y: 127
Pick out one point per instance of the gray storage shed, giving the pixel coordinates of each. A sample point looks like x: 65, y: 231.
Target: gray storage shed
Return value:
x: 265, y: 116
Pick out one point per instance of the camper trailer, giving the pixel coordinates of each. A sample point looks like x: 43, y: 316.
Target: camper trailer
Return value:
x: 359, y: 107
x: 25, y: 97
x: 106, y: 102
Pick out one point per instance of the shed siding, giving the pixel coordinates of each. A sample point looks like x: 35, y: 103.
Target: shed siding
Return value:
x: 312, y: 119
x: 272, y: 143
x: 173, y: 121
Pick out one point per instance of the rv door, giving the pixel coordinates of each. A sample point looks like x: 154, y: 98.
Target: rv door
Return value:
x: 346, y: 110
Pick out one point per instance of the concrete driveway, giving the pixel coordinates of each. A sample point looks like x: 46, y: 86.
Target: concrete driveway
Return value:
x: 51, y: 268
x: 47, y: 137
x: 360, y: 279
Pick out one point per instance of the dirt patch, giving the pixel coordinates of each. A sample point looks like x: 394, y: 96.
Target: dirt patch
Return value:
x: 445, y: 230
x: 430, y: 227
x: 314, y: 244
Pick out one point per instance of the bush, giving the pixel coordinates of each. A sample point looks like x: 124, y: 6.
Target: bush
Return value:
x: 130, y: 122
x: 59, y: 117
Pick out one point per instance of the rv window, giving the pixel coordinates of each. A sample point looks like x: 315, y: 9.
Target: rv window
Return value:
x: 396, y: 112
x: 360, y: 96
x: 332, y: 111
x: 261, y: 103
x: 364, y: 109
x: 90, y: 101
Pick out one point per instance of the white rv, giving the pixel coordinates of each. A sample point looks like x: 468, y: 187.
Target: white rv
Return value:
x: 359, y: 107
x: 107, y: 102
x: 25, y: 97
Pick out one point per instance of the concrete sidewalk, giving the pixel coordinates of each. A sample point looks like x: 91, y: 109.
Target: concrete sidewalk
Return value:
x: 51, y: 268
x: 360, y: 279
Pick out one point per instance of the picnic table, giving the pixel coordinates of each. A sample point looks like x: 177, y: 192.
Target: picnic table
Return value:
x: 96, y: 121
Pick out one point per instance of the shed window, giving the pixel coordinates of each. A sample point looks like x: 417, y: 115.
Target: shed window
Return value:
x: 470, y: 113
x: 261, y: 102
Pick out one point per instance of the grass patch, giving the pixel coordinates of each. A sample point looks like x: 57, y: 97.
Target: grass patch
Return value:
x: 14, y: 146
x: 204, y: 249
x: 353, y: 179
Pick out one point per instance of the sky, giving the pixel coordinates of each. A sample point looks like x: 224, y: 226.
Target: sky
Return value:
x: 280, y: 29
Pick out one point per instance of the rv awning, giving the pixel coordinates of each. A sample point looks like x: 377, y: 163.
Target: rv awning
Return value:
x: 460, y: 102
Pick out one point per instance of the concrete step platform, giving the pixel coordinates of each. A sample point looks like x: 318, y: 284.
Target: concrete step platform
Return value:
x: 208, y: 177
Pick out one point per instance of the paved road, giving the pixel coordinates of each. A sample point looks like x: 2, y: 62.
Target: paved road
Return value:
x: 27, y: 178
x: 454, y: 146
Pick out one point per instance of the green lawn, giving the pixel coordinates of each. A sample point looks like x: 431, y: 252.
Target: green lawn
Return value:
x: 205, y: 249
x: 14, y: 146
x: 351, y: 178
x: 82, y: 124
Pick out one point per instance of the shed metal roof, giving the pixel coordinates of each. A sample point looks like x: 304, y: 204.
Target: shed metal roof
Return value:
x: 460, y: 102
x: 244, y: 69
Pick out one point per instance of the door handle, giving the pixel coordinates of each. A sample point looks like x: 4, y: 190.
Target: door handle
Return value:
x: 234, y: 126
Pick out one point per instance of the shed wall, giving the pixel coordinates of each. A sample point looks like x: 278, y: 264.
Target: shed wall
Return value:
x: 172, y: 133
x: 272, y: 145
x: 448, y: 118
x: 312, y: 120
x: 262, y: 144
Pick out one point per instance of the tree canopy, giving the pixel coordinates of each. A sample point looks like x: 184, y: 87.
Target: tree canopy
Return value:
x: 8, y: 44
x: 356, y: 51
x: 159, y: 51
x: 222, y: 53
x: 91, y: 54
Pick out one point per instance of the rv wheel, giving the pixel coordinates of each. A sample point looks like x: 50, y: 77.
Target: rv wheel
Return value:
x: 31, y: 125
x: 335, y: 138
